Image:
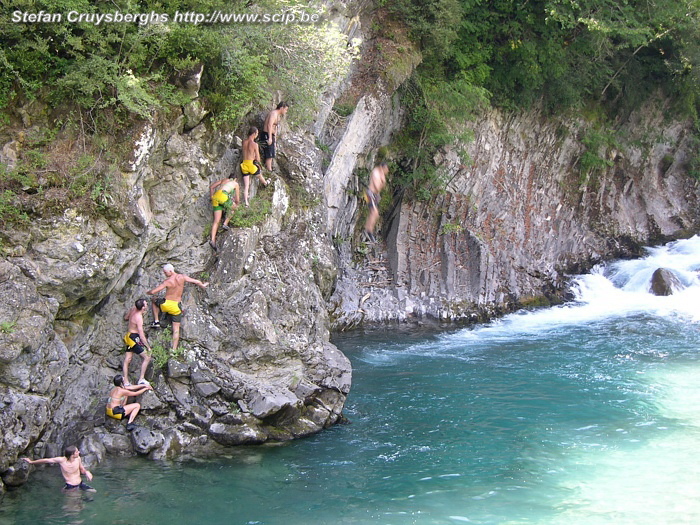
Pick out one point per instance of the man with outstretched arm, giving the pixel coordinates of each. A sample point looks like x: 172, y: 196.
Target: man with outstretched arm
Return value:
x: 71, y: 468
x: 225, y: 199
x: 268, y: 137
x: 173, y: 285
x: 136, y: 341
x: 251, y: 162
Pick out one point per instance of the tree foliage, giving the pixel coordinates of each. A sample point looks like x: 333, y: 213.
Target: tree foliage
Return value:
x: 562, y: 54
x: 129, y: 66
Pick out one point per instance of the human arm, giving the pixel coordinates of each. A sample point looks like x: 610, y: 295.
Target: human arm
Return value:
x: 135, y: 392
x: 128, y: 313
x: 237, y: 198
x: 139, y: 328
x: 195, y: 281
x: 85, y: 472
x: 44, y: 460
x: 157, y: 289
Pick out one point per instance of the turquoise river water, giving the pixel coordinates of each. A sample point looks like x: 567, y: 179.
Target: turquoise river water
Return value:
x: 582, y: 414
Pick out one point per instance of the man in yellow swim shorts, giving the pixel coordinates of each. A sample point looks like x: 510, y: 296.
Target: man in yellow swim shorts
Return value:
x: 251, y: 162
x: 174, y: 285
x: 222, y: 201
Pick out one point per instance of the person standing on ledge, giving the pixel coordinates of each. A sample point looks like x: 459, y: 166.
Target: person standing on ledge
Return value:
x: 251, y: 162
x: 377, y: 181
x: 136, y: 341
x: 222, y: 201
x: 173, y: 285
x: 268, y: 136
x: 71, y: 468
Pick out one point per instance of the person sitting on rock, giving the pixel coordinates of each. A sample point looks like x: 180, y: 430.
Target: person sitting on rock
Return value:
x: 72, y: 469
x: 136, y: 342
x: 116, y: 407
x: 222, y: 201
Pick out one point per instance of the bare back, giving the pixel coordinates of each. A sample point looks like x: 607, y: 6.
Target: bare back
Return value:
x: 135, y: 321
x: 229, y: 186
x: 250, y: 150
x: 116, y: 397
x: 174, y: 286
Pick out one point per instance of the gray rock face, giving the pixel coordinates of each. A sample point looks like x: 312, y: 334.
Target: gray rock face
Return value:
x: 665, y: 282
x: 257, y: 363
x: 519, y: 218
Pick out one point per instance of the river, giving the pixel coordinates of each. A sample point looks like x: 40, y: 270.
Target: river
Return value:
x: 582, y: 414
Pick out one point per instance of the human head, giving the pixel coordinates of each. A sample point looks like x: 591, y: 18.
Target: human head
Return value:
x: 283, y: 107
x: 69, y: 451
x: 168, y: 269
x: 384, y: 167
x: 140, y: 304
x: 252, y: 131
x: 118, y: 380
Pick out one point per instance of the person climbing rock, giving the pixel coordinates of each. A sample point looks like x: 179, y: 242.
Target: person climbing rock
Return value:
x: 222, y: 201
x: 136, y: 341
x: 116, y: 404
x: 251, y: 162
x: 268, y: 136
x: 174, y: 286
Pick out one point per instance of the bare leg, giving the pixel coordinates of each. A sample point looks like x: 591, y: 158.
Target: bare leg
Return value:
x: 215, y: 225
x: 156, y: 311
x: 261, y: 178
x: 145, y: 361
x: 372, y: 220
x: 176, y: 335
x: 132, y: 411
x: 246, y: 185
x: 125, y: 366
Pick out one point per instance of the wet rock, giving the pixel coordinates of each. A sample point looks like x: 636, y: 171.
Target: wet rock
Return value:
x: 665, y: 282
x: 92, y: 450
x: 17, y: 474
x: 229, y: 435
x: 118, y: 444
x: 145, y: 440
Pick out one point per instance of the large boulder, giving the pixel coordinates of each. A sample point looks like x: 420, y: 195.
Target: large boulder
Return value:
x: 665, y: 282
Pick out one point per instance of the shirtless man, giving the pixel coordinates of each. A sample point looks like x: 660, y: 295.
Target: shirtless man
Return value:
x: 173, y: 285
x: 251, y: 162
x: 71, y: 468
x: 268, y: 137
x: 136, y: 342
x: 221, y: 201
x: 377, y: 181
x: 116, y: 404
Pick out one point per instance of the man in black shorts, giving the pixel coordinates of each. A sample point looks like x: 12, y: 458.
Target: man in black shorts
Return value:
x: 268, y: 135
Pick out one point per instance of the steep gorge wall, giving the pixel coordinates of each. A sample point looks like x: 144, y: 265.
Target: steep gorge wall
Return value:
x: 520, y: 217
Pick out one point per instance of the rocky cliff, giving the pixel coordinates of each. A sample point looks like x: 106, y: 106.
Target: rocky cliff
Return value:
x: 522, y: 215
